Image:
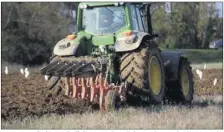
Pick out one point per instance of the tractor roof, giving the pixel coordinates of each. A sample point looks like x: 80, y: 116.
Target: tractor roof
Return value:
x: 91, y: 4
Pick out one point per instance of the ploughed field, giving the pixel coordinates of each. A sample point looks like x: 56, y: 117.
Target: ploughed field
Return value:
x: 22, y: 97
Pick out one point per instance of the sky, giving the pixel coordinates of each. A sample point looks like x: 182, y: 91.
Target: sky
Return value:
x: 220, y: 8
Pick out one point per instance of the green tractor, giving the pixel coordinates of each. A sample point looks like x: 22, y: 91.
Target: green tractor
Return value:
x: 112, y: 59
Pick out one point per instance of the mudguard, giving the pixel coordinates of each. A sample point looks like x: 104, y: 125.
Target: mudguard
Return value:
x: 65, y: 47
x: 171, y: 61
x: 135, y: 40
x: 68, y: 47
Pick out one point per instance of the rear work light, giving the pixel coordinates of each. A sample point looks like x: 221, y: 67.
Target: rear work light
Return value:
x: 71, y: 37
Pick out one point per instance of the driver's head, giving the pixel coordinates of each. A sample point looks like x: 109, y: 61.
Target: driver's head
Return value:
x: 106, y: 17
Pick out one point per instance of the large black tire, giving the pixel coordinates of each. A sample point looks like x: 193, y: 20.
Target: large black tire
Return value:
x: 54, y: 82
x: 135, y: 72
x: 53, y: 87
x: 175, y: 89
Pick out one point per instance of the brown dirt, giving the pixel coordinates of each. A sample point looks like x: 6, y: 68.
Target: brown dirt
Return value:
x: 205, y: 85
x: 21, y: 97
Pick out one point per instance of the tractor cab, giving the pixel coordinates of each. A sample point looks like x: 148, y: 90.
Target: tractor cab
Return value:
x: 112, y: 18
x: 103, y: 20
x: 121, y: 26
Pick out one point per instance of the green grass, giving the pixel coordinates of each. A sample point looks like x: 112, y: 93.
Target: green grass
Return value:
x: 201, y: 55
x: 208, y: 65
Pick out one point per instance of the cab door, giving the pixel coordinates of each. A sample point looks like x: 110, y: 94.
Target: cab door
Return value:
x: 137, y: 22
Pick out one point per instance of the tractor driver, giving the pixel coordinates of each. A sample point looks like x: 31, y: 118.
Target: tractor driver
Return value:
x: 110, y: 19
x: 106, y: 20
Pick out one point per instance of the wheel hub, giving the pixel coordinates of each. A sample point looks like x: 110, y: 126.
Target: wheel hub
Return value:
x: 155, y: 77
x: 184, y: 82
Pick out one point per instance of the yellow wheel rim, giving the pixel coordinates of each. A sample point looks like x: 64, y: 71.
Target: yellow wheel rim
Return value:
x: 184, y: 82
x: 155, y: 77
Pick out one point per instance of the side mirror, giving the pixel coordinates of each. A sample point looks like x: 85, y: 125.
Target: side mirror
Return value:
x: 72, y: 29
x: 155, y: 35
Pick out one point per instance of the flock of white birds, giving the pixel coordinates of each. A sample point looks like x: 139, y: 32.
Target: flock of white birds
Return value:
x: 27, y: 73
x: 200, y: 74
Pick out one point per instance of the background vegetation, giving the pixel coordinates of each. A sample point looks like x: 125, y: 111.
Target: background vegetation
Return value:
x: 30, y: 30
x: 201, y: 55
x: 188, y: 25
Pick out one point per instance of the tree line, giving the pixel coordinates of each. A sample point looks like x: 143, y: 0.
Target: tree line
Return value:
x: 30, y: 30
x: 188, y: 25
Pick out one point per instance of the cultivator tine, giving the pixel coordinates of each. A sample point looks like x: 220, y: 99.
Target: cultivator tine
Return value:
x: 88, y: 88
x: 88, y: 82
x: 101, y: 91
x: 92, y: 89
x: 74, y: 86
x: 79, y: 87
x: 70, y: 80
x: 83, y: 88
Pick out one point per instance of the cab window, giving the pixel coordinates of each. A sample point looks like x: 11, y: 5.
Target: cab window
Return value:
x: 139, y: 18
x: 136, y: 19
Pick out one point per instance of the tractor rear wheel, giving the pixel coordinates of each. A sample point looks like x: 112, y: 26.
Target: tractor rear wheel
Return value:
x: 143, y: 69
x: 53, y: 87
x: 182, y: 90
x: 52, y: 81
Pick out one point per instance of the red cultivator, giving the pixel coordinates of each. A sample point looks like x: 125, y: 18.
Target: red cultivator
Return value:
x: 85, y: 80
x: 95, y: 90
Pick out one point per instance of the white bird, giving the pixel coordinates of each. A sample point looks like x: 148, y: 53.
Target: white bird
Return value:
x: 205, y: 66
x: 199, y: 72
x: 6, y: 70
x: 27, y: 73
x: 21, y: 70
x: 26, y: 70
x: 215, y: 81
x: 46, y: 77
x: 200, y: 75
